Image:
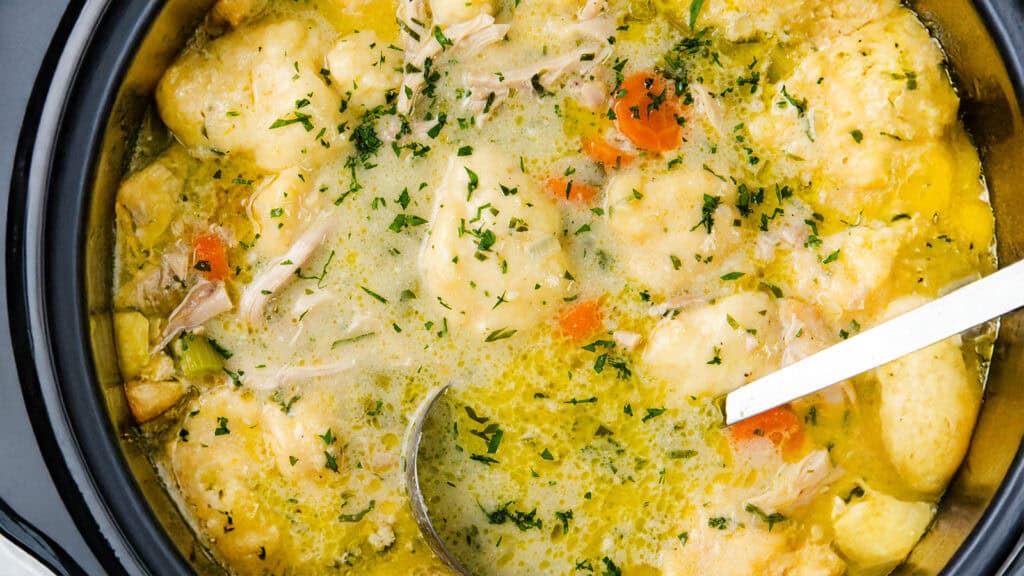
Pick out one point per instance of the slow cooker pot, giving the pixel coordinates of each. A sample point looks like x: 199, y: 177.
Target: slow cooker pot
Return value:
x: 91, y: 94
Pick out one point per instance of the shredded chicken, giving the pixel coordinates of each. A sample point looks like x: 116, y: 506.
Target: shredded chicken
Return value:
x: 804, y: 332
x: 593, y: 9
x: 680, y: 302
x: 279, y: 271
x: 796, y: 484
x: 489, y: 90
x: 594, y: 21
x: 290, y: 374
x: 204, y: 301
x: 708, y: 106
x: 421, y: 44
x: 626, y: 340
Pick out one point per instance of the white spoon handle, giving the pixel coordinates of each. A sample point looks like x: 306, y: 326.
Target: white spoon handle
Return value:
x: 975, y: 303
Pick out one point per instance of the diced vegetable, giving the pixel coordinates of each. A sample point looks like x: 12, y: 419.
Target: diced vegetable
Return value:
x: 780, y: 425
x: 196, y: 356
x: 147, y: 400
x: 648, y: 113
x: 131, y: 329
x: 572, y: 191
x: 209, y: 256
x: 605, y: 154
x: 581, y: 320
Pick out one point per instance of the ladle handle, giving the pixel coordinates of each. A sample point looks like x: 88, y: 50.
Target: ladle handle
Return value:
x: 971, y: 305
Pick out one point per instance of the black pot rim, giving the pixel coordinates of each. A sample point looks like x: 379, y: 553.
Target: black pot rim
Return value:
x: 85, y: 65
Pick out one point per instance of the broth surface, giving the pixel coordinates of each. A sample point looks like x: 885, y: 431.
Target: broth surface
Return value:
x: 591, y: 219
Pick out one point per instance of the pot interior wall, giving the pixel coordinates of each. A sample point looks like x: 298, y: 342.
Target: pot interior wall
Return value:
x: 991, y: 113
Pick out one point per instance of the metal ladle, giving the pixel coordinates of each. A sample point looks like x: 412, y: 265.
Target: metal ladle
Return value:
x: 976, y: 303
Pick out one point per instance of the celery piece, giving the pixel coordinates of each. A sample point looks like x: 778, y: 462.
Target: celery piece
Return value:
x: 131, y: 329
x: 196, y: 356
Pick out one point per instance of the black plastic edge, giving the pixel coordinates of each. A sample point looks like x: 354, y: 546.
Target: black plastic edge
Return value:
x: 37, y: 544
x: 994, y: 539
x: 105, y: 60
x: 985, y: 550
x: 17, y: 303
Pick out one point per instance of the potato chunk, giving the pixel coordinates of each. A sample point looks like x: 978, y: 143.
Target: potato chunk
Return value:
x: 663, y: 236
x: 148, y: 400
x: 257, y: 92
x: 715, y: 348
x: 877, y: 532
x: 234, y: 12
x: 492, y: 258
x: 363, y: 69
x: 448, y: 12
x: 928, y: 405
x: 131, y: 329
x: 863, y: 110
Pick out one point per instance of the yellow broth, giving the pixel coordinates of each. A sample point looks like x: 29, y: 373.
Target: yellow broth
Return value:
x: 820, y: 183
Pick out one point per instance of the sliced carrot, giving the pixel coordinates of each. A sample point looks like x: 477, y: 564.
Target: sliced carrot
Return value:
x: 581, y: 320
x: 780, y: 425
x: 605, y: 154
x: 209, y: 255
x: 572, y: 191
x: 647, y: 112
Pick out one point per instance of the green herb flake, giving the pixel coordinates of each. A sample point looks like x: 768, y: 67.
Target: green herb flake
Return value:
x: 358, y: 515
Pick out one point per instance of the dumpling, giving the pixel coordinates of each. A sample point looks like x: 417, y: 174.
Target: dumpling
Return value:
x: 928, y: 405
x: 256, y: 91
x: 876, y: 532
x: 363, y: 69
x: 666, y: 226
x: 275, y: 209
x: 848, y: 268
x: 739, y: 20
x: 492, y: 259
x: 216, y: 460
x: 862, y: 110
x: 715, y: 348
x: 743, y: 551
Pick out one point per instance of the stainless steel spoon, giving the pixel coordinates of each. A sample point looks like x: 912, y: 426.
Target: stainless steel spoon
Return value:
x: 411, y: 452
x: 976, y: 303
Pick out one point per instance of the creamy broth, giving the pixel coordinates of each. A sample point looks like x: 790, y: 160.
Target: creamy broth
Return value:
x: 591, y: 219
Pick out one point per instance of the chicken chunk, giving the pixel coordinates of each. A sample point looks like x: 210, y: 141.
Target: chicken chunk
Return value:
x: 665, y: 226
x: 715, y: 348
x: 928, y: 405
x: 492, y: 259
x: 256, y: 92
x: 877, y: 532
x: 449, y: 12
x: 743, y: 550
x: 149, y: 197
x: 796, y: 484
x: 363, y: 69
x: 853, y: 115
